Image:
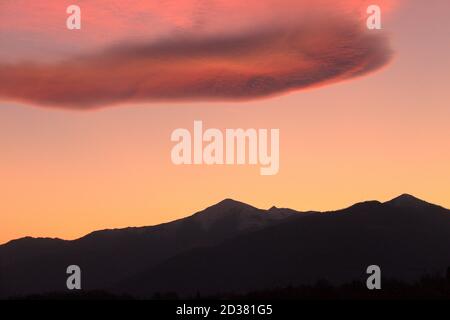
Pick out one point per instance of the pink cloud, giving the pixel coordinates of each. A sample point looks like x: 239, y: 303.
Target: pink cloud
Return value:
x: 194, y: 52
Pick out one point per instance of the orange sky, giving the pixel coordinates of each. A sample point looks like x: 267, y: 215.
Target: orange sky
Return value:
x: 64, y: 173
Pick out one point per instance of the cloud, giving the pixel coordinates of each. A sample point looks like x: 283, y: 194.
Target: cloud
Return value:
x: 256, y: 61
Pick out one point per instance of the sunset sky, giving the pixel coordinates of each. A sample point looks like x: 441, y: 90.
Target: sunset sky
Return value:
x: 86, y: 116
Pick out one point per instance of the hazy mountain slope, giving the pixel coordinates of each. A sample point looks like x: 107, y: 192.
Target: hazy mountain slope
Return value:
x: 232, y: 246
x: 38, y: 265
x: 406, y: 237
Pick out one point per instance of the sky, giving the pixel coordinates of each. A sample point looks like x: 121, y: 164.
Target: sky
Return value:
x: 86, y: 116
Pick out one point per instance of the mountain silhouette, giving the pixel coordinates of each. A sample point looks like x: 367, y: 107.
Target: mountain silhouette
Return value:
x: 34, y: 265
x: 409, y: 201
x: 234, y: 247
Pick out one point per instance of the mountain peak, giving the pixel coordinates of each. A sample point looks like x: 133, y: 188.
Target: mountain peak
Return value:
x: 229, y: 203
x: 408, y: 201
x: 224, y: 207
x: 242, y: 216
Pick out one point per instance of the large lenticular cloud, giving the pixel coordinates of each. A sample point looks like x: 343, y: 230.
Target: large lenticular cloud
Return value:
x: 210, y: 51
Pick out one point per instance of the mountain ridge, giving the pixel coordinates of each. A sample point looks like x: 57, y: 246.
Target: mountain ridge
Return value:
x: 230, y: 203
x: 337, y: 247
x: 236, y: 246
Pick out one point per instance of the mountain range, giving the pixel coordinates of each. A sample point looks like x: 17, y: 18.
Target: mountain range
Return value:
x: 234, y: 247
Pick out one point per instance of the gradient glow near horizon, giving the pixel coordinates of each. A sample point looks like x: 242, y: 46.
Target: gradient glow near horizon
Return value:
x: 67, y: 169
